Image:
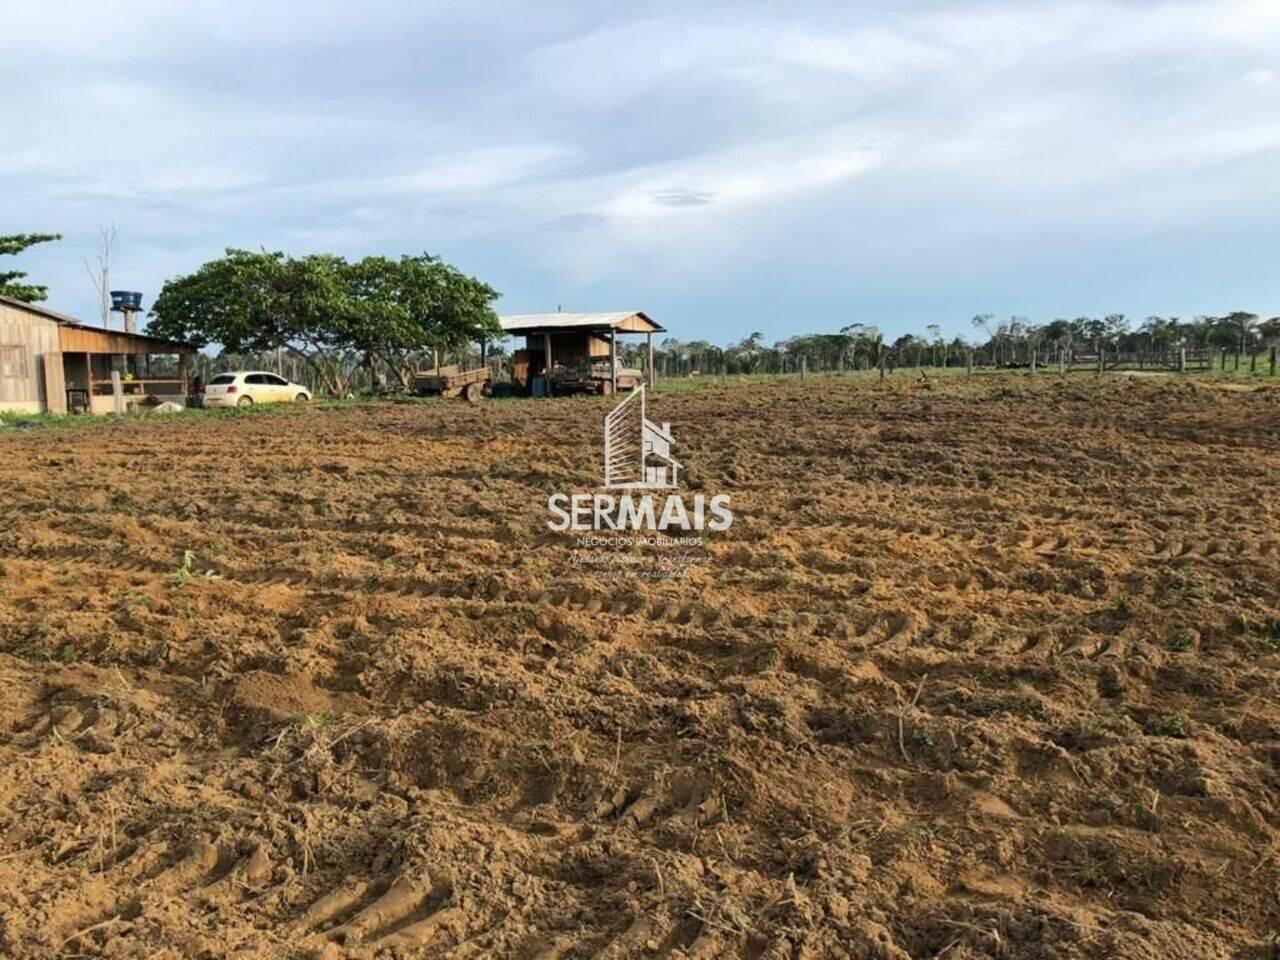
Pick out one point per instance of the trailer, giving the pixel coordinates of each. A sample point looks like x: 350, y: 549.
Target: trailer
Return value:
x: 452, y: 382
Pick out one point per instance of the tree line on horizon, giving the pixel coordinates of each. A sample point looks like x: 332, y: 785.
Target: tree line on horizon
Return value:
x: 349, y: 326
x: 1010, y: 343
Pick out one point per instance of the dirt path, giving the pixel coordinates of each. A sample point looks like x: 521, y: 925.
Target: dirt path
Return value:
x: 987, y: 669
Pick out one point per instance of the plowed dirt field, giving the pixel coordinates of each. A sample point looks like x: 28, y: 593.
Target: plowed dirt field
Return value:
x: 984, y: 668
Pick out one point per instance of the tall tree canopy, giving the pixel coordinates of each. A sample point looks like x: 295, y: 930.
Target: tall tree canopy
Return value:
x: 10, y: 285
x: 321, y: 308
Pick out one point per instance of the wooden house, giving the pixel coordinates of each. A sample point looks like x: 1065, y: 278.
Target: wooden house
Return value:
x: 53, y: 363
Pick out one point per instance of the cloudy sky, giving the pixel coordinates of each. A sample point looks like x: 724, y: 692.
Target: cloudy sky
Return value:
x: 725, y: 167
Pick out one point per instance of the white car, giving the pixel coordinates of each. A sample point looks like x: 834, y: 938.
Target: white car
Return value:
x: 246, y: 387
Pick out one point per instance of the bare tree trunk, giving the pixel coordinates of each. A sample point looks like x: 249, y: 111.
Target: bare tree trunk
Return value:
x: 101, y: 276
x: 376, y: 382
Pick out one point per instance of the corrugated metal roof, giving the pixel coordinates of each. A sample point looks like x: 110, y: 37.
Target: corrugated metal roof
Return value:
x: 545, y: 321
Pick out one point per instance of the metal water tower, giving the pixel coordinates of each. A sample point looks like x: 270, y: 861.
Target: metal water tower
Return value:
x: 128, y: 303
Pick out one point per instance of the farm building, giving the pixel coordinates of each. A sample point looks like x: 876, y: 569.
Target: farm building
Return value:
x: 54, y: 363
x: 577, y: 349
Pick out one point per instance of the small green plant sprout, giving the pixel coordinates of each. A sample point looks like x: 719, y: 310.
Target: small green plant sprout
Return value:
x: 1269, y: 642
x: 1175, y: 725
x: 1111, y: 802
x: 184, y: 572
x: 1181, y: 642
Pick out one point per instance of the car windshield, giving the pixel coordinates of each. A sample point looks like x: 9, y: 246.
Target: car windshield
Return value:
x: 222, y: 379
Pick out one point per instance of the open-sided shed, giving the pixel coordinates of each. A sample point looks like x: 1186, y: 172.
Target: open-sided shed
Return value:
x: 577, y: 339
x: 52, y: 362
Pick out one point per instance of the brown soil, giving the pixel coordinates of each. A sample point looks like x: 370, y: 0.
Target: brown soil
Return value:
x: 984, y: 668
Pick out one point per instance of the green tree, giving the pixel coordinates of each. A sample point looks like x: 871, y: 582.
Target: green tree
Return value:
x: 1241, y: 323
x: 259, y: 302
x: 423, y: 304
x: 10, y: 285
x: 330, y: 314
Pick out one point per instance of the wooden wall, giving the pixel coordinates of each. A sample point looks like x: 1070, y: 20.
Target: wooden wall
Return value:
x: 90, y: 340
x: 569, y: 347
x: 25, y: 339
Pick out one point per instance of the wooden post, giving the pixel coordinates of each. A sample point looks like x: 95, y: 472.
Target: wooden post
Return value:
x: 1182, y: 359
x: 652, y: 373
x: 1033, y: 359
x: 969, y: 371
x: 804, y: 366
x: 117, y: 392
x: 55, y: 384
x: 1253, y: 361
x: 1101, y: 363
x: 1273, y: 361
x: 546, y: 360
x: 183, y: 373
x: 613, y: 359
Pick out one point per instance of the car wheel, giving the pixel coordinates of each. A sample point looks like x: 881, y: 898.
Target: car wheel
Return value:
x: 301, y: 398
x: 245, y: 402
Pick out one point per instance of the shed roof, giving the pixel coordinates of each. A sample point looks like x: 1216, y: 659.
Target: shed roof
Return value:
x: 38, y: 310
x: 97, y: 339
x: 629, y: 321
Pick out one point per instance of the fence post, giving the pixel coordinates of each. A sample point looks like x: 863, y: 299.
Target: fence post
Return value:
x: 1182, y: 359
x: 1273, y: 361
x: 1101, y: 363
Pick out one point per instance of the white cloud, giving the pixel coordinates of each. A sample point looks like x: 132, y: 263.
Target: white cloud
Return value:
x: 760, y: 173
x: 478, y: 169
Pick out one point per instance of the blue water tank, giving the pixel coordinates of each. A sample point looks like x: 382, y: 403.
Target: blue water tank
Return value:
x: 122, y: 300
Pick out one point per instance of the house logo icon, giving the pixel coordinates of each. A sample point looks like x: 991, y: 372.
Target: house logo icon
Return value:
x: 637, y: 451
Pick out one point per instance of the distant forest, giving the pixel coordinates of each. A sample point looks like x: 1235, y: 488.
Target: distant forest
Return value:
x: 1234, y: 338
x: 1016, y: 342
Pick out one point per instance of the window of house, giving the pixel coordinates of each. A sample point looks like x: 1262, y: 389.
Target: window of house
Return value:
x: 13, y: 361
